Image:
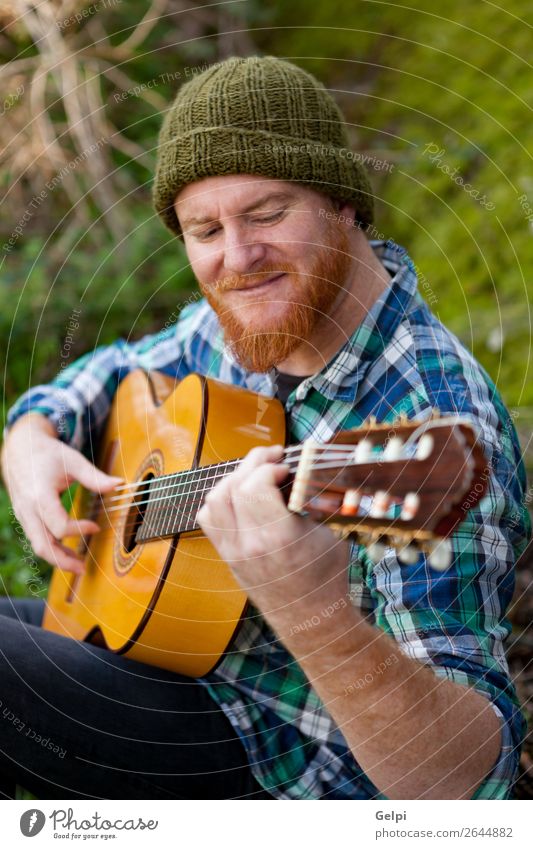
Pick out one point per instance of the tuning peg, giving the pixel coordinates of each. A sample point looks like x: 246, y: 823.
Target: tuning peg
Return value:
x: 410, y: 505
x: 440, y: 555
x: 362, y: 451
x: 380, y: 504
x: 393, y: 449
x: 376, y: 550
x: 424, y: 447
x: 409, y: 554
x: 350, y: 502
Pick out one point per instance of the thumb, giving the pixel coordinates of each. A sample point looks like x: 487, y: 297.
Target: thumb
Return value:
x: 92, y: 478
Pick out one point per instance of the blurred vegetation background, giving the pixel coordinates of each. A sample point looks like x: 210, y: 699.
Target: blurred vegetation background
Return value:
x: 439, y: 92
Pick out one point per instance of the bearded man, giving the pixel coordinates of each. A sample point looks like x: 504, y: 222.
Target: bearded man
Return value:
x: 401, y: 692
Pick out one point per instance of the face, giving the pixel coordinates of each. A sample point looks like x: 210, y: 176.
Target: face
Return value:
x: 266, y: 258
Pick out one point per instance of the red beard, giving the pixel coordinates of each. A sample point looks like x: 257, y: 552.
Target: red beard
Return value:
x: 259, y: 348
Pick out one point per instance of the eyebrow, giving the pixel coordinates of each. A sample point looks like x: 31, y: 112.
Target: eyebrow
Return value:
x: 279, y: 196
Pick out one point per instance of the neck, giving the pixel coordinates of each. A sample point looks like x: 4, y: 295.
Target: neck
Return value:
x: 366, y: 281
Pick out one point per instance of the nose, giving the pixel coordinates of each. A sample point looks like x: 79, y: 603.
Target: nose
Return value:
x: 241, y: 252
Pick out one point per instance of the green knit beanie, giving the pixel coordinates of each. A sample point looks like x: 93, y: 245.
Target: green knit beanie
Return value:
x: 257, y: 115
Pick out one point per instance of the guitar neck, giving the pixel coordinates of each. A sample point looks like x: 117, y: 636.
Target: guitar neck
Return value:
x: 169, y: 504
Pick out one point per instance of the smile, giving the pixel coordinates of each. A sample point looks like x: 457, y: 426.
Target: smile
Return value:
x: 256, y: 287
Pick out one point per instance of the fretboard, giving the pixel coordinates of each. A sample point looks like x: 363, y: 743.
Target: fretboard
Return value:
x: 172, y: 502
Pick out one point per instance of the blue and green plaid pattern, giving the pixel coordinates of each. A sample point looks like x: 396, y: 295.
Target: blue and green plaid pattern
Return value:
x: 399, y: 360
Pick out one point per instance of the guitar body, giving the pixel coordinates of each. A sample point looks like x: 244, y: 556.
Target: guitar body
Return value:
x: 170, y: 602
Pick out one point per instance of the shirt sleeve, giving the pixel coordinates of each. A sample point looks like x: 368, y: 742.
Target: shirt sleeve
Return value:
x: 454, y: 621
x: 78, y: 399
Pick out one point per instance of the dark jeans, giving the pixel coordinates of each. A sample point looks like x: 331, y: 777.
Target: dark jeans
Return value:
x: 77, y: 721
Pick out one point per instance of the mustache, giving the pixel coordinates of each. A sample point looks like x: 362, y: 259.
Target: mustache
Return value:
x: 241, y: 281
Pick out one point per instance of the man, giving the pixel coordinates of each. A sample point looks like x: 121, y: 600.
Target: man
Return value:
x: 348, y: 679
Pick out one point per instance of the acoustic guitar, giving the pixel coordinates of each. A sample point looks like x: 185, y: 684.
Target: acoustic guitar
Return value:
x: 154, y: 588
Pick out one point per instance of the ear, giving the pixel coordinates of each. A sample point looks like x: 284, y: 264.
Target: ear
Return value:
x: 347, y: 209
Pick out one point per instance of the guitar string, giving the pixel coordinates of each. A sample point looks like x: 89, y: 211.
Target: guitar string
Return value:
x: 326, y: 446
x: 173, y: 499
x: 236, y: 461
x: 171, y: 513
x: 349, y: 454
x: 187, y: 513
x: 177, y: 497
x: 180, y: 506
x: 177, y: 504
x: 155, y: 490
x: 329, y: 446
x: 184, y: 506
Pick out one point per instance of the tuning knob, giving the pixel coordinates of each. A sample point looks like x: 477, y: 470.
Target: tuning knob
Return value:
x: 362, y: 451
x: 376, y: 550
x: 410, y: 506
x: 380, y: 504
x: 440, y: 555
x: 350, y: 504
x: 409, y: 554
x: 424, y: 447
x: 393, y: 449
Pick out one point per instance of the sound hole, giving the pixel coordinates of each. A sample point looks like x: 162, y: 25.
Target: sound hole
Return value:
x: 136, y: 513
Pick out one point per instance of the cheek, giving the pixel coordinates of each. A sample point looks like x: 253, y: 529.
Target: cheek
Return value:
x: 203, y: 262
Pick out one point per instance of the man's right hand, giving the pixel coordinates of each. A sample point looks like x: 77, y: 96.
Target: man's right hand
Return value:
x: 37, y: 467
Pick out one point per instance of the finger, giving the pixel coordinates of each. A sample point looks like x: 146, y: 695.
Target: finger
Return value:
x: 217, y: 518
x: 257, y: 456
x: 45, y: 546
x: 56, y: 519
x: 81, y: 470
x: 81, y: 527
x: 232, y: 522
x: 258, y: 502
x: 66, y: 558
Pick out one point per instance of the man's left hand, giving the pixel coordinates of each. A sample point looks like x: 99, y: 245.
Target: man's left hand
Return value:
x: 281, y: 559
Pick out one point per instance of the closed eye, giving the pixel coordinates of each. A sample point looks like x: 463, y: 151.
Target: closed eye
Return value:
x: 271, y: 218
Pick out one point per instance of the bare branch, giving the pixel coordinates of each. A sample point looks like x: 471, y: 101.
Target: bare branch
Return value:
x: 145, y: 26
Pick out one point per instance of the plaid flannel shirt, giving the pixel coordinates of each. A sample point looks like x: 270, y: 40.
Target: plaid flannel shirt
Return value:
x: 399, y: 360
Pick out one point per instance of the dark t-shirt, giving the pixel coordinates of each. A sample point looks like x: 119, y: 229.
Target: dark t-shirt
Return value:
x: 285, y: 383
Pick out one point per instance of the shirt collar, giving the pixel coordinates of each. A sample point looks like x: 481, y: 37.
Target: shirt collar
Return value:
x: 339, y: 379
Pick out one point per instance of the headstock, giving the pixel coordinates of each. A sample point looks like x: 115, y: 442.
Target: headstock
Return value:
x: 405, y: 485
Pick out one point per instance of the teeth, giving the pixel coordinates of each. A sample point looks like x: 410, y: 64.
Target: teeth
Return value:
x: 393, y: 449
x: 424, y: 447
x: 410, y: 506
x: 440, y: 556
x: 362, y: 451
x: 380, y: 504
x: 350, y: 503
x: 409, y: 555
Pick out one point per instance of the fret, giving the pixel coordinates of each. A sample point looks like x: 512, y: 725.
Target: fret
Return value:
x: 188, y: 501
x: 175, y: 499
x: 172, y: 498
x: 201, y: 496
x: 146, y: 524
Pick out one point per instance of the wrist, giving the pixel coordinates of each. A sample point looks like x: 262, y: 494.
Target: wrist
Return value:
x: 25, y: 431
